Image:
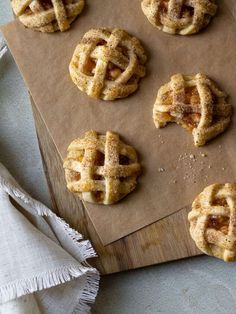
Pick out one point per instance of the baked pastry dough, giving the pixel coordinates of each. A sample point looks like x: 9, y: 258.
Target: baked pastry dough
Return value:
x: 47, y: 15
x: 101, y: 168
x: 213, y: 221
x: 195, y: 103
x: 182, y: 17
x: 108, y: 64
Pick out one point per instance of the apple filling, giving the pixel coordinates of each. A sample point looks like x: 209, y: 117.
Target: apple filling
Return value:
x: 113, y: 72
x: 220, y: 223
x: 186, y: 10
x: 163, y: 7
x: 98, y: 195
x: 190, y: 119
x: 99, y: 159
x: 124, y: 160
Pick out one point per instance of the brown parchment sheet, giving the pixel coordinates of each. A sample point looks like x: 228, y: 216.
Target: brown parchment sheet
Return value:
x: 171, y: 178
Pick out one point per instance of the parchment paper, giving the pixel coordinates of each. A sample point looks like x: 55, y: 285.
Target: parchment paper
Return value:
x: 172, y: 177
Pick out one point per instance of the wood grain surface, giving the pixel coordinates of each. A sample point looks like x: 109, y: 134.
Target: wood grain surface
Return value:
x: 165, y: 240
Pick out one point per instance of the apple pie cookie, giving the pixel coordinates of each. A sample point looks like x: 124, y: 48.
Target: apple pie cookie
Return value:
x: 213, y: 221
x: 47, y: 15
x: 101, y: 168
x: 194, y: 102
x: 182, y: 17
x: 108, y: 64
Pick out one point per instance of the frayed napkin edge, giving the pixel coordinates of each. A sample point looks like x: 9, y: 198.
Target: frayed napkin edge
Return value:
x: 3, y: 48
x: 53, y: 278
x: 88, y: 295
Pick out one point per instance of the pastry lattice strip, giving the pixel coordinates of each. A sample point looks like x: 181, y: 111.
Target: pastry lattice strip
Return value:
x: 95, y: 167
x: 213, y: 221
x: 47, y: 15
x: 117, y: 63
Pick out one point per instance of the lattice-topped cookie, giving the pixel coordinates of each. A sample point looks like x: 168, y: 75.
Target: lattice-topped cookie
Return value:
x: 182, y: 17
x: 195, y: 103
x: 47, y: 15
x: 108, y: 64
x: 101, y: 168
x: 213, y: 221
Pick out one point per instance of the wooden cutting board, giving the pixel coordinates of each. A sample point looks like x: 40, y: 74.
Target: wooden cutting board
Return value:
x: 165, y: 240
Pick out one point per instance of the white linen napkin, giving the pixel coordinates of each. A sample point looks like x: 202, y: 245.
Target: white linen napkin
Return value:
x: 38, y: 251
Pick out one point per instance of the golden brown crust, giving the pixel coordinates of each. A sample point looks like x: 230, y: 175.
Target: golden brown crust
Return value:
x: 213, y: 221
x: 182, y: 17
x: 195, y: 103
x: 108, y: 64
x: 47, y: 15
x: 101, y: 168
